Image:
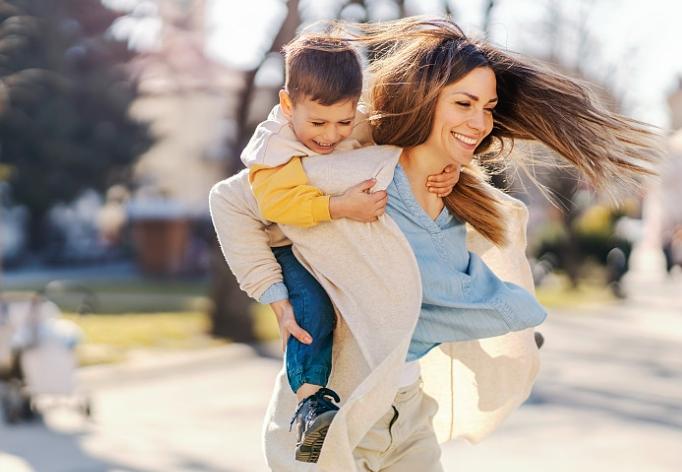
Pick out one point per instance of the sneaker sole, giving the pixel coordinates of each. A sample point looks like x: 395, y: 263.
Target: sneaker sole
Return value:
x: 311, y: 446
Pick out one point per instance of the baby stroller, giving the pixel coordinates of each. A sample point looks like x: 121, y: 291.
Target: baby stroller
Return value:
x: 36, y: 356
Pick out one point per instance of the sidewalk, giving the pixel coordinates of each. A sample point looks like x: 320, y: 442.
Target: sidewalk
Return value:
x: 181, y: 411
x: 609, y: 397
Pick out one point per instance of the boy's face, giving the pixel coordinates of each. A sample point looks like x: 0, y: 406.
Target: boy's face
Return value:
x: 319, y: 127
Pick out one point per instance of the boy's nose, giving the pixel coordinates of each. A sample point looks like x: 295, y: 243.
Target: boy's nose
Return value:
x: 331, y: 135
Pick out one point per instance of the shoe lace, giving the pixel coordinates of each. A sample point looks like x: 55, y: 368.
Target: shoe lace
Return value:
x: 316, y: 399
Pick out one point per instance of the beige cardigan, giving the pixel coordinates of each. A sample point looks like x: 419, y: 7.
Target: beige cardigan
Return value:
x: 371, y: 275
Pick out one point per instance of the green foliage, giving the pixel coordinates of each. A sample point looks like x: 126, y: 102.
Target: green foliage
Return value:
x: 64, y: 123
x: 594, y: 236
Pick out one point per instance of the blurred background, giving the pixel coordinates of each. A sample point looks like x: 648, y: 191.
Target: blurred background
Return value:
x: 117, y: 117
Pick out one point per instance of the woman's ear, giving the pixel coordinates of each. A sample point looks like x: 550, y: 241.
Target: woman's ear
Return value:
x: 286, y: 104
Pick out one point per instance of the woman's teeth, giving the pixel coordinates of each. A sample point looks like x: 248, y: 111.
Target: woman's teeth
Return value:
x: 465, y: 139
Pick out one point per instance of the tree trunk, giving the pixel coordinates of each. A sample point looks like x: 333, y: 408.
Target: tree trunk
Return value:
x: 231, y: 315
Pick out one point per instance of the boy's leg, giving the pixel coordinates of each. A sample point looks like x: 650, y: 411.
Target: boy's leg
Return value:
x: 308, y: 365
x: 314, y: 312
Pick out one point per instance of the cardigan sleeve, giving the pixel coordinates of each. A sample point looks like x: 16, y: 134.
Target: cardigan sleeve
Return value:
x: 242, y: 235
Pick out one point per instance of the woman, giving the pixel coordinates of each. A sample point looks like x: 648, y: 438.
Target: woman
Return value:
x: 442, y: 99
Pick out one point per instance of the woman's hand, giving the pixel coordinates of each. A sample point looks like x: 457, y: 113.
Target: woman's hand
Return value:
x: 287, y: 323
x: 443, y: 183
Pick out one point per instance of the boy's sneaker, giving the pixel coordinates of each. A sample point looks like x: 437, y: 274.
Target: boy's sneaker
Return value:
x: 313, y: 417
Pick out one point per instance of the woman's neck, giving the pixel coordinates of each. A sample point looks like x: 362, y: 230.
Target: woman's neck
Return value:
x: 420, y: 162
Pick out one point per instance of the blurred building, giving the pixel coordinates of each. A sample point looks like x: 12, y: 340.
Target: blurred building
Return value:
x: 187, y: 99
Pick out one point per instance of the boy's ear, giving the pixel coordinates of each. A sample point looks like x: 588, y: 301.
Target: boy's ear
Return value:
x: 286, y: 104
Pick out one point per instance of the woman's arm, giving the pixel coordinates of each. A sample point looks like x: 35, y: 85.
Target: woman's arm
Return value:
x: 245, y: 243
x: 243, y: 236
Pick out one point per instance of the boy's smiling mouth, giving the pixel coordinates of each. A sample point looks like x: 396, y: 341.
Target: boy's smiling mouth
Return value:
x: 324, y: 146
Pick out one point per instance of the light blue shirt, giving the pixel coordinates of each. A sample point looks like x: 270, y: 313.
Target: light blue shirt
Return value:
x: 462, y: 298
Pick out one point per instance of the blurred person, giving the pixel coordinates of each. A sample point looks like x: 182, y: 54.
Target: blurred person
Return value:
x: 437, y: 98
x: 112, y: 216
x: 672, y: 247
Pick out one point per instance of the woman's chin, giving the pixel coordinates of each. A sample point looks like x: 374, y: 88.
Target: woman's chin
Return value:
x: 460, y: 160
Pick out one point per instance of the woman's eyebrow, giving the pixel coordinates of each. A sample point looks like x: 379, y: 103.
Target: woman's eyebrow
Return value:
x: 473, y: 97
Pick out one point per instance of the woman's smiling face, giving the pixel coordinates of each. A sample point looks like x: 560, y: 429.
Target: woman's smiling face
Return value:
x: 463, y: 116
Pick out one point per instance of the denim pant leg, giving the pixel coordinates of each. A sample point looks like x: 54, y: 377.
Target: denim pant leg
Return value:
x: 314, y: 312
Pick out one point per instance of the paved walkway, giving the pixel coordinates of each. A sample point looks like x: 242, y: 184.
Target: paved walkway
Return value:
x: 609, y: 397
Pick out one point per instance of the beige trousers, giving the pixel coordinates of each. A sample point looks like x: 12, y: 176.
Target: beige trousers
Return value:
x: 403, y: 440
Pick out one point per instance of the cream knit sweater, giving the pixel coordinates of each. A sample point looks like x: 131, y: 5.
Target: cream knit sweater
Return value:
x: 371, y: 275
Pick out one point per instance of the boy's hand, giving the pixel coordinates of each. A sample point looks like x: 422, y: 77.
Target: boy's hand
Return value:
x: 443, y: 183
x: 358, y: 204
x: 287, y: 323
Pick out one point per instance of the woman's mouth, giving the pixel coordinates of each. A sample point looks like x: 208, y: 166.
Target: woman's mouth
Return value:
x: 465, y: 141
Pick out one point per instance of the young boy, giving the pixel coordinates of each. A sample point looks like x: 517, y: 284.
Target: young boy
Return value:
x: 316, y: 116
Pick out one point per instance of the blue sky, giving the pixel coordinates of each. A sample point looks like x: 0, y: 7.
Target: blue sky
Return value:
x: 637, y: 48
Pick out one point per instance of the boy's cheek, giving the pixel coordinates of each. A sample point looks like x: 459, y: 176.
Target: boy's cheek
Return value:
x: 303, y: 134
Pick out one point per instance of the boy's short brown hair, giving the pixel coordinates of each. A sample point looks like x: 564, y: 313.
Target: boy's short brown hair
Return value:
x: 322, y: 69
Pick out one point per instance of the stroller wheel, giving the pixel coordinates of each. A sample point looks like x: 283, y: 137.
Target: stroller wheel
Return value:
x: 12, y: 404
x: 28, y: 411
x: 8, y: 413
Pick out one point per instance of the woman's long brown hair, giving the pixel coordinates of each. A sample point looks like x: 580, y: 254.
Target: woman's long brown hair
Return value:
x: 412, y: 59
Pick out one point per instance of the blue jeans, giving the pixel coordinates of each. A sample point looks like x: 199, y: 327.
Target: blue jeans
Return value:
x: 314, y: 312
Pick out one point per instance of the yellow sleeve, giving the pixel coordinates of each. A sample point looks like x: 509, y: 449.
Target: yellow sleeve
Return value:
x: 285, y: 196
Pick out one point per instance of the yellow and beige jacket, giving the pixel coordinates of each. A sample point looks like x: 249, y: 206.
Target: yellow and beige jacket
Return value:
x: 279, y: 183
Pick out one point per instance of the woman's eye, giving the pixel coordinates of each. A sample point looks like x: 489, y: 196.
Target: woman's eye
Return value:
x: 345, y: 123
x: 464, y: 104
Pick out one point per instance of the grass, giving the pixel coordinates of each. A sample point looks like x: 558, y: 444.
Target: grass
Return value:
x: 110, y: 338
x: 133, y: 285
x: 124, y: 296
x: 264, y: 322
x: 129, y: 315
x: 154, y: 314
x: 557, y: 293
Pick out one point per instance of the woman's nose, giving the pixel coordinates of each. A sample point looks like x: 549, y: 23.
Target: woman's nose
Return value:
x: 477, y: 121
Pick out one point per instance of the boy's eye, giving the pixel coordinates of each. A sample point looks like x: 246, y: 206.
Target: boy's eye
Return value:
x: 317, y: 123
x: 345, y: 123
